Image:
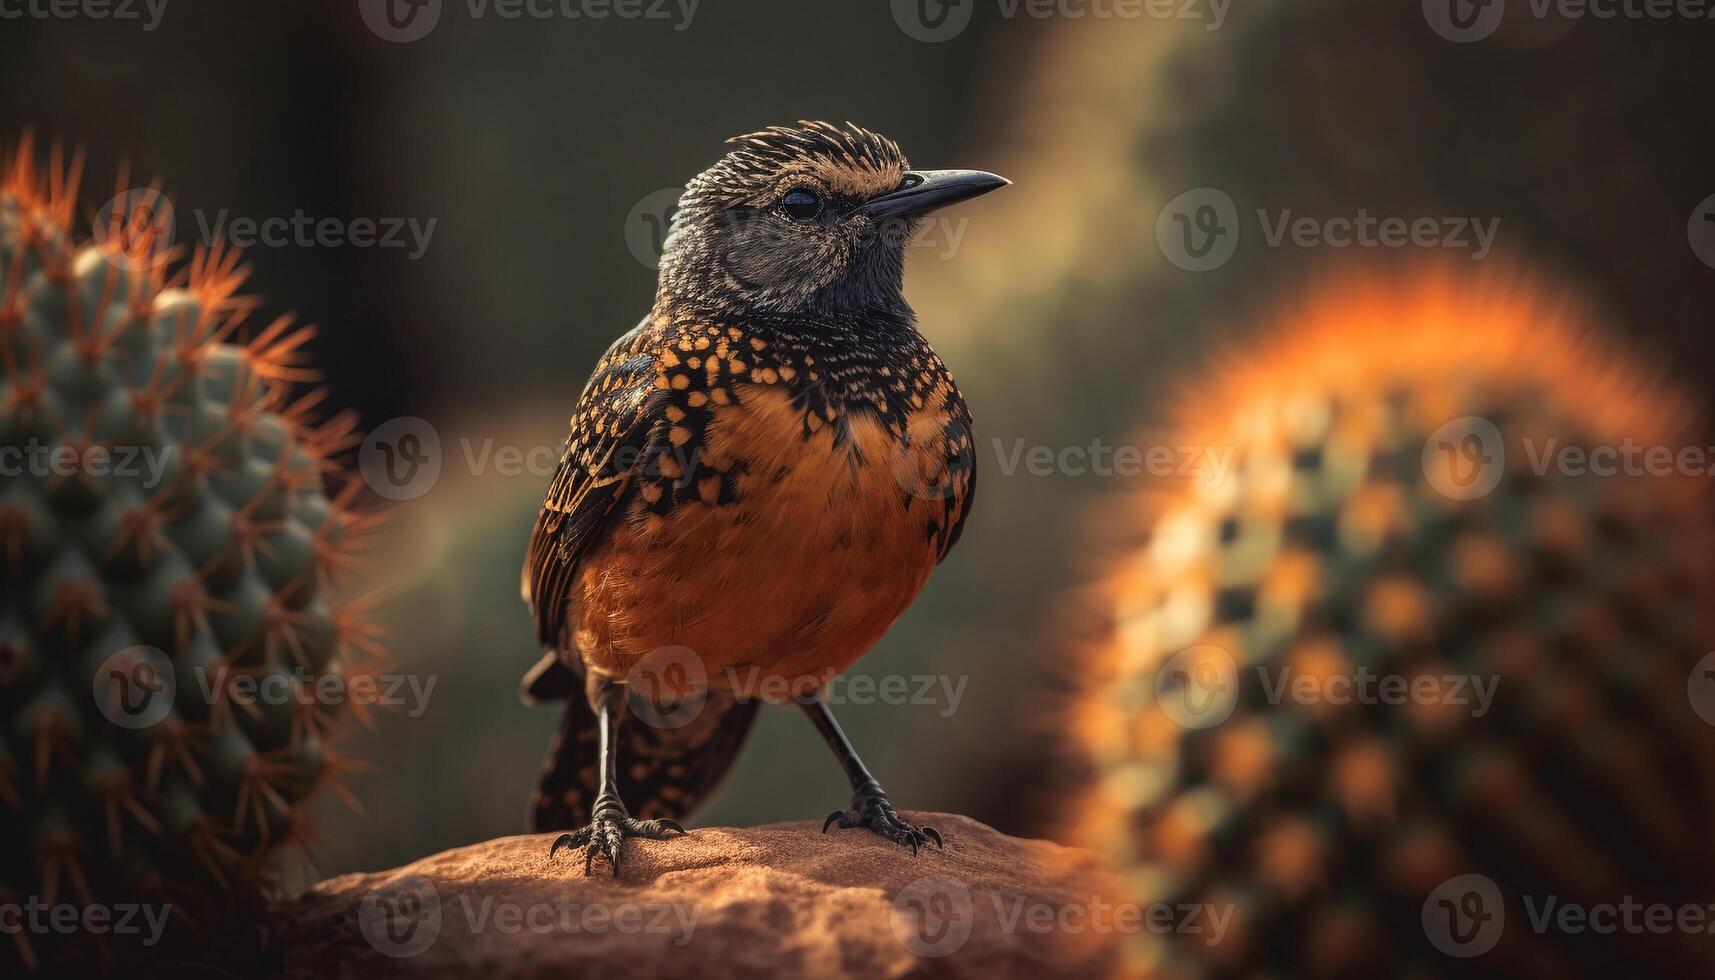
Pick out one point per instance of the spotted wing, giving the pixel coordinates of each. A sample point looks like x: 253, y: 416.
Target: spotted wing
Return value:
x: 610, y: 429
x: 961, y: 462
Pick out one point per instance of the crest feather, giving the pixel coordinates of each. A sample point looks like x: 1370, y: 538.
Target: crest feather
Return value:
x: 758, y: 158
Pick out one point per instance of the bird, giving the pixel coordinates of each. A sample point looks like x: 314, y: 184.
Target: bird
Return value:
x: 758, y: 480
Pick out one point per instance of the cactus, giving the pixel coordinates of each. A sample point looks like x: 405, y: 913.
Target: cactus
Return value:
x: 1360, y: 529
x: 165, y: 530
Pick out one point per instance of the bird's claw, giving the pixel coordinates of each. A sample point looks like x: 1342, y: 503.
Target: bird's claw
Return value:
x: 578, y: 839
x: 877, y: 813
x: 605, y: 834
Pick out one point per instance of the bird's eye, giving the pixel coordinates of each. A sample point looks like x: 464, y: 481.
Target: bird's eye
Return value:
x: 801, y: 204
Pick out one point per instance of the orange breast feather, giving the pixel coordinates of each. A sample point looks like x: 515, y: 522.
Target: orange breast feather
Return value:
x: 823, y: 548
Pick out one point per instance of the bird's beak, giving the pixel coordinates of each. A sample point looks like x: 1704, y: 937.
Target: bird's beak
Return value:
x: 923, y: 191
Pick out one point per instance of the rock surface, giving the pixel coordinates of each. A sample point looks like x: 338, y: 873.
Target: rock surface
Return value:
x: 777, y: 900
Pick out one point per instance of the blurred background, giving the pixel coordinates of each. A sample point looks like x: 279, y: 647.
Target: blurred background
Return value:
x: 531, y: 160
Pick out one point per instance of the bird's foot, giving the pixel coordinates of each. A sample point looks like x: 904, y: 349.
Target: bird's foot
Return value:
x: 875, y: 811
x: 606, y: 834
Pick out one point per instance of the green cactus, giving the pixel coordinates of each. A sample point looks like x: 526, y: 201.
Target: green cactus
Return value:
x: 166, y: 532
x: 1343, y: 542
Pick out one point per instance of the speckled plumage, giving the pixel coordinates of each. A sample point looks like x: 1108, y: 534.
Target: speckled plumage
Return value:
x: 764, y: 471
x: 640, y: 435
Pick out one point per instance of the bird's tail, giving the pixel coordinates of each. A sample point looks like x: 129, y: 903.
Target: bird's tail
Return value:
x: 668, y: 762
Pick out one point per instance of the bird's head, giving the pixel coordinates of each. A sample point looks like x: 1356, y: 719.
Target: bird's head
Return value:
x: 803, y: 219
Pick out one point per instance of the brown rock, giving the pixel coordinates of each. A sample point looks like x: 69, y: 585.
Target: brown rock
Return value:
x: 782, y: 899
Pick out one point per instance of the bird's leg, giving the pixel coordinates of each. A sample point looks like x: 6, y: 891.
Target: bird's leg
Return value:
x: 610, y: 822
x: 870, y: 806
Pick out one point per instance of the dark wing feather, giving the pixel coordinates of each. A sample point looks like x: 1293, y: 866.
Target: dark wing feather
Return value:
x: 965, y: 502
x: 961, y: 467
x: 610, y: 428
